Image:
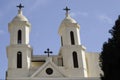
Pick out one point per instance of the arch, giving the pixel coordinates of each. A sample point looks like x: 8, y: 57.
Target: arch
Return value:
x: 72, y: 38
x: 19, y: 36
x: 75, y: 59
x: 19, y: 59
x: 61, y: 41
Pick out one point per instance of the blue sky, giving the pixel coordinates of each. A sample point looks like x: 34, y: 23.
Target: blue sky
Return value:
x: 96, y: 18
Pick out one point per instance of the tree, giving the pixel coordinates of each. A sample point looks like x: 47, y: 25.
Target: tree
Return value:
x: 110, y: 55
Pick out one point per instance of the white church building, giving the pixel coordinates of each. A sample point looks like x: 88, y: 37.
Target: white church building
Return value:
x: 71, y: 63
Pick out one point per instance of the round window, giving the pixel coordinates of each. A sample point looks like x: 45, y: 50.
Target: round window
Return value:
x: 49, y: 71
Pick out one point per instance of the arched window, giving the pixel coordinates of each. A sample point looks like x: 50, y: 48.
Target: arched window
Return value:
x: 75, y: 60
x: 19, y: 36
x: 61, y: 41
x: 19, y: 60
x: 72, y: 38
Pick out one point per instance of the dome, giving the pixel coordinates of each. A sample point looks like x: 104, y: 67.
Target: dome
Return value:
x: 20, y: 17
x: 68, y: 19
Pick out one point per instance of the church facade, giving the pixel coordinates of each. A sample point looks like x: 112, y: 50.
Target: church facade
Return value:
x: 71, y: 63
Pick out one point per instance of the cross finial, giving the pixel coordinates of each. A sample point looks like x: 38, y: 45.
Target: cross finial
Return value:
x: 66, y: 9
x: 20, y: 6
x: 48, y: 52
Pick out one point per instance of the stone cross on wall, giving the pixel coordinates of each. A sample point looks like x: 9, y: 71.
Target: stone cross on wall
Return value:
x: 48, y: 52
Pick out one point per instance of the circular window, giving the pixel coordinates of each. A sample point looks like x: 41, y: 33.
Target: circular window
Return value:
x: 49, y: 71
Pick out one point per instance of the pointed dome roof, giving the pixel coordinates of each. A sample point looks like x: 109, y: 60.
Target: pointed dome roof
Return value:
x: 68, y: 18
x: 19, y: 17
x: 68, y: 21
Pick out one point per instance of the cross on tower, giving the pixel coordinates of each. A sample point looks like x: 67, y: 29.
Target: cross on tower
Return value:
x: 48, y: 52
x: 20, y: 6
x: 66, y: 9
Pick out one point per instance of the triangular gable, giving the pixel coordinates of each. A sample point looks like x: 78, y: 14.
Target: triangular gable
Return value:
x: 49, y: 69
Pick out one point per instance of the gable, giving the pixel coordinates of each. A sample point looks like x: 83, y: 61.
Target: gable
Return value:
x: 49, y: 69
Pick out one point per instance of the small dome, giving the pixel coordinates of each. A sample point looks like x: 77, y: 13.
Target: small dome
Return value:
x: 20, y: 17
x: 68, y: 19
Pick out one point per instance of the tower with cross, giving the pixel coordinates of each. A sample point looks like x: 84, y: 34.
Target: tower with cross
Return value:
x: 72, y: 62
x: 71, y: 46
x: 19, y: 51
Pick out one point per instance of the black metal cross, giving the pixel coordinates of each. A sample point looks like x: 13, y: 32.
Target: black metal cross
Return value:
x: 48, y: 52
x: 66, y: 9
x: 20, y: 6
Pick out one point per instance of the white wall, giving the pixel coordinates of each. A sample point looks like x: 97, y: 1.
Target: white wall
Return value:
x: 93, y: 64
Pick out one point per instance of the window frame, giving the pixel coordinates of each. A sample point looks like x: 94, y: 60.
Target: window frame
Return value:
x: 19, y: 40
x: 19, y: 59
x: 75, y: 59
x: 72, y: 38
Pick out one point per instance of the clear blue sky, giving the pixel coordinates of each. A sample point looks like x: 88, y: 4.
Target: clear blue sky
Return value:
x: 96, y: 18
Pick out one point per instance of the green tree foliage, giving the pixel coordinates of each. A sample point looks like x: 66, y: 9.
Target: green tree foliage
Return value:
x: 110, y: 55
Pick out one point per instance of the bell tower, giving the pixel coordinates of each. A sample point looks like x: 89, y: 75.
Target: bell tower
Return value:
x: 19, y: 51
x: 72, y: 51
